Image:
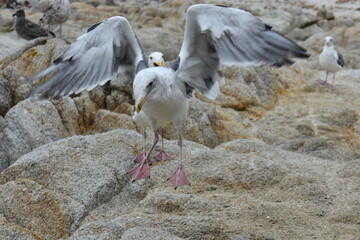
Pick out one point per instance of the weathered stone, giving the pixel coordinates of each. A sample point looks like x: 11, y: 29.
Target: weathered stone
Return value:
x: 277, y: 194
x: 93, y: 180
x: 28, y: 125
x: 85, y: 12
x: 167, y: 43
x: 147, y: 233
x: 6, y: 20
x: 6, y: 100
x: 106, y: 121
x: 298, y: 34
x: 87, y: 109
x: 43, y: 212
x: 26, y: 62
x: 10, y: 231
x: 70, y: 117
x: 99, y: 231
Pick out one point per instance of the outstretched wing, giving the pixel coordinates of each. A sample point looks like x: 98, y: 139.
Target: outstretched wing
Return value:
x: 217, y: 34
x: 95, y: 58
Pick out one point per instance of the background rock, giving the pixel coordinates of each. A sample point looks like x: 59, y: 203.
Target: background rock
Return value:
x: 29, y: 125
x: 276, y: 156
x: 238, y: 179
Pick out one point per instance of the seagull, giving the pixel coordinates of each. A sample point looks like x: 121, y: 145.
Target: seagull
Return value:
x: 156, y: 59
x: 27, y: 29
x: 214, y: 35
x: 330, y: 59
x: 57, y: 13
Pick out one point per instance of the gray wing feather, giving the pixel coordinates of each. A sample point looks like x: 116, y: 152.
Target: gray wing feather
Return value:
x: 95, y: 58
x: 175, y: 65
x: 217, y: 34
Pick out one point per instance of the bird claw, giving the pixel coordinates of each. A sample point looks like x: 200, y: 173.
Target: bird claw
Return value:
x: 162, y: 156
x: 328, y: 85
x: 332, y: 87
x: 139, y: 158
x: 322, y: 82
x: 179, y: 178
x: 140, y: 171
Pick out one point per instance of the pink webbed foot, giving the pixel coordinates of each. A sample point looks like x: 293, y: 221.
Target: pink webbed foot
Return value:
x: 328, y: 85
x: 179, y: 178
x: 322, y: 82
x: 162, y: 156
x: 141, y: 170
x: 139, y: 158
x: 332, y: 87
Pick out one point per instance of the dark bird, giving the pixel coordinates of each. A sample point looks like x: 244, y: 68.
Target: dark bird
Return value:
x: 29, y: 30
x: 214, y: 35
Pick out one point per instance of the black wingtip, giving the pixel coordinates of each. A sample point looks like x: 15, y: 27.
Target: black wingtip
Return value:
x: 52, y: 34
x: 94, y: 26
x: 219, y: 5
x: 300, y: 54
x: 268, y: 27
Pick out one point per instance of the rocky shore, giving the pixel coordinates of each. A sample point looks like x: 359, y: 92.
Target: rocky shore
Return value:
x: 276, y: 156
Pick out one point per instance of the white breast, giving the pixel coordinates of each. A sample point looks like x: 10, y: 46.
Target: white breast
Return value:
x: 328, y: 60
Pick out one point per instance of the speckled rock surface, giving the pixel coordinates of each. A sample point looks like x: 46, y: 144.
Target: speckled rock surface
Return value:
x: 276, y: 156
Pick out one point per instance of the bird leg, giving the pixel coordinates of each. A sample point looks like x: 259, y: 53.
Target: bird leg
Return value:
x: 327, y: 73
x: 179, y: 178
x: 142, y: 155
x: 60, y: 30
x: 162, y: 156
x: 332, y: 86
x: 142, y: 169
x: 324, y: 82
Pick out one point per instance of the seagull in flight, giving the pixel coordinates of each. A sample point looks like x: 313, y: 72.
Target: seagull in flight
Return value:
x: 330, y: 59
x: 214, y: 35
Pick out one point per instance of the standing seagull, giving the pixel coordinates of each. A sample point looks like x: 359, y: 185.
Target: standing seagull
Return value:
x: 57, y: 13
x: 214, y: 35
x: 27, y: 29
x: 330, y: 59
x: 156, y: 59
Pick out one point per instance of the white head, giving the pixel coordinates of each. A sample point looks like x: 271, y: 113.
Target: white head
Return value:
x: 156, y: 59
x: 146, y: 84
x: 151, y: 85
x: 328, y: 41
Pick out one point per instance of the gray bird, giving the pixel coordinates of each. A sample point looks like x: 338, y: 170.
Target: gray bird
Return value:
x: 330, y: 59
x: 27, y: 29
x: 57, y: 13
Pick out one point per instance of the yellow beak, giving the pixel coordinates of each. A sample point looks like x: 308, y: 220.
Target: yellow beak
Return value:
x: 140, y: 103
x: 159, y: 64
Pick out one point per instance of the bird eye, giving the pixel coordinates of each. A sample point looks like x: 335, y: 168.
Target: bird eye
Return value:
x: 150, y: 84
x: 150, y: 57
